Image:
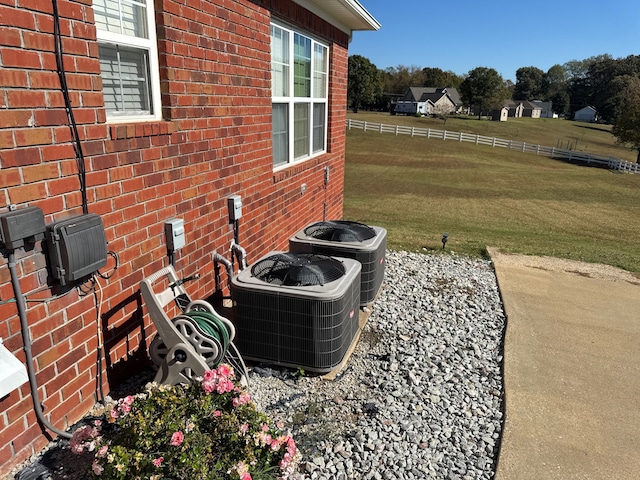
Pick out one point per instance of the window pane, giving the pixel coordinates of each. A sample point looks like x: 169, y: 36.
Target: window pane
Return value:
x: 318, y: 127
x: 125, y: 79
x: 320, y: 70
x: 301, y: 130
x: 280, y: 134
x: 301, y: 66
x: 279, y: 62
x: 126, y: 17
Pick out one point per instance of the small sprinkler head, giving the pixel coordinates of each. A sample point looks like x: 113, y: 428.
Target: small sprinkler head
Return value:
x: 445, y: 237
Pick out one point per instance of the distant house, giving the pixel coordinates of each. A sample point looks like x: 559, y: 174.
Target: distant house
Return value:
x: 522, y: 108
x: 514, y: 108
x: 500, y: 114
x: 586, y: 114
x: 429, y: 101
x: 546, y: 109
x: 530, y: 109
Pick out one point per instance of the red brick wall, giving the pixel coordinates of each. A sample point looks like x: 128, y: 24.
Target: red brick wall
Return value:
x: 214, y: 141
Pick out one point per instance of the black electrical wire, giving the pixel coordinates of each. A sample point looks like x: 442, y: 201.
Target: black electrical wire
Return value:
x: 67, y: 102
x: 107, y: 276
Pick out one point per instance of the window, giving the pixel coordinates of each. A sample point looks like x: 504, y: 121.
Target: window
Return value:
x: 299, y: 86
x: 128, y: 58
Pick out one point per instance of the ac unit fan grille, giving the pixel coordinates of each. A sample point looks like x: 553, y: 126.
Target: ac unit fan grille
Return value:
x: 340, y: 231
x: 298, y: 269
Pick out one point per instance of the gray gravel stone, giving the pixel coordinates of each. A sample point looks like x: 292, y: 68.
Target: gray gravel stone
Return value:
x: 421, y: 396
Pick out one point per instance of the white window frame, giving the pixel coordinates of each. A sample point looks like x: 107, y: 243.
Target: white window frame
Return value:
x: 150, y: 44
x: 290, y: 100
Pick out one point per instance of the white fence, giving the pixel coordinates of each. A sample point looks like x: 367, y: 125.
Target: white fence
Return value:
x: 573, y: 156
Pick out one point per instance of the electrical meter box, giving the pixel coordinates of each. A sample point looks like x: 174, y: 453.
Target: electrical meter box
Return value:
x: 20, y: 226
x: 174, y: 230
x: 77, y: 247
x: 234, y: 202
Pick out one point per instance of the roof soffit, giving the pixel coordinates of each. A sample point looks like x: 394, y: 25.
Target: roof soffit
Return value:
x: 347, y: 15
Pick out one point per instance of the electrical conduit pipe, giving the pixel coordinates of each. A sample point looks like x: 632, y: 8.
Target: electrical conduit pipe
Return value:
x: 26, y: 341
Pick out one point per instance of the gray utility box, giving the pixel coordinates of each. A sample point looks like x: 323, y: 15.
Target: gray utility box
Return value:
x: 21, y: 226
x: 77, y: 247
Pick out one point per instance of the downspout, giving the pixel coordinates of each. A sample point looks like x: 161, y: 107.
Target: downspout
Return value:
x: 26, y: 340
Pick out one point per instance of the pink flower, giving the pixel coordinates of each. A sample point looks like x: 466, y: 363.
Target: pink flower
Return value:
x: 245, y: 476
x: 210, y: 375
x: 217, y: 413
x: 158, y: 461
x: 128, y: 400
x: 114, y: 413
x: 208, y: 385
x: 242, y: 399
x: 244, y: 428
x: 177, y: 438
x: 96, y: 467
x: 102, y: 451
x: 224, y: 386
x: 79, y: 440
x: 242, y: 469
x: 225, y: 371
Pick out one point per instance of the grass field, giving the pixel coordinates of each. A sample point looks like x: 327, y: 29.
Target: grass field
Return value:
x: 483, y: 196
x: 549, y: 132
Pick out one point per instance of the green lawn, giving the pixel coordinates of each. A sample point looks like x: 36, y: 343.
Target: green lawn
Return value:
x: 549, y: 132
x: 483, y: 196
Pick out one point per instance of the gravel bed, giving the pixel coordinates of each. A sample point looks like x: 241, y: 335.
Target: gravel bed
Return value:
x: 422, y: 394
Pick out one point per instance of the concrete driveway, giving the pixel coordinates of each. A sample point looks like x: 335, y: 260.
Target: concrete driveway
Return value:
x: 571, y: 370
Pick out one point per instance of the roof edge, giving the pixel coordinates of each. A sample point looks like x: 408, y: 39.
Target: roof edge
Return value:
x: 356, y: 17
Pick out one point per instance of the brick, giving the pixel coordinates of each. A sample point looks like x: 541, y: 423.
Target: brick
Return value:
x: 57, y: 152
x: 44, y: 80
x: 17, y: 18
x: 25, y: 99
x: 10, y: 177
x: 63, y: 185
x: 21, y: 58
x: 27, y: 193
x: 15, y: 118
x: 10, y: 37
x: 50, y: 117
x: 38, y: 41
x: 50, y: 205
x: 6, y: 140
x: 27, y: 137
x: 40, y: 172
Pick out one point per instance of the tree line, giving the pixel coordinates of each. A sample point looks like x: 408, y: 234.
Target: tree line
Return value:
x: 611, y: 86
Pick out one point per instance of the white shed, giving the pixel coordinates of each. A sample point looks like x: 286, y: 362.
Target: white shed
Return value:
x: 586, y: 114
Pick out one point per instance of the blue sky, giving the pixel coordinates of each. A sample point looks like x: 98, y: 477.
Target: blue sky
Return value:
x: 501, y: 34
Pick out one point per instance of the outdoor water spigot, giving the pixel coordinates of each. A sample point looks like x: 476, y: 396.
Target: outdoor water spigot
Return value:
x: 445, y: 237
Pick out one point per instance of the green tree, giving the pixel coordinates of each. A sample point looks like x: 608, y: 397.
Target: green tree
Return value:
x: 530, y: 84
x: 483, y: 89
x: 436, y: 77
x: 560, y: 102
x: 403, y: 77
x: 363, y: 85
x: 601, y: 76
x: 626, y: 107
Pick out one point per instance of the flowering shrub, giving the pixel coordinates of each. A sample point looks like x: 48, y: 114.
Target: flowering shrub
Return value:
x: 208, y: 429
